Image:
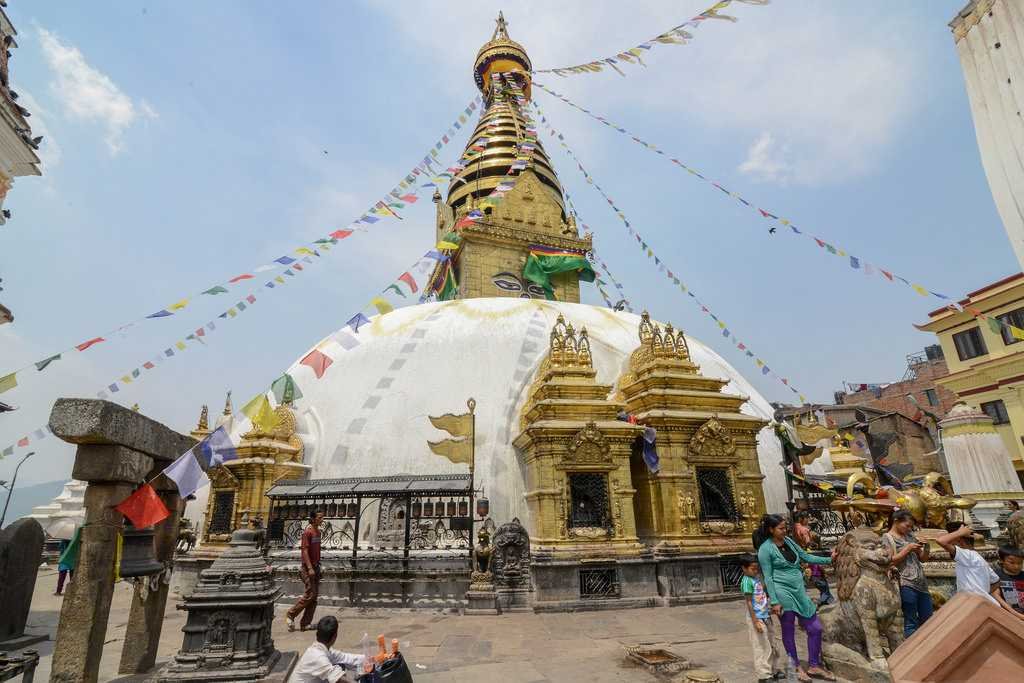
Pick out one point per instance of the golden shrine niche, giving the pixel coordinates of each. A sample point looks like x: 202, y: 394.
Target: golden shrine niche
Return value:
x: 237, y: 488
x: 707, y: 495
x: 597, y: 508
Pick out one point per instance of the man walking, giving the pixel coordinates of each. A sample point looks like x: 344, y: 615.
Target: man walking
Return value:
x: 309, y: 570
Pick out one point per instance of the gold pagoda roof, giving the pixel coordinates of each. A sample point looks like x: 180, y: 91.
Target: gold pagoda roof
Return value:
x: 503, y: 127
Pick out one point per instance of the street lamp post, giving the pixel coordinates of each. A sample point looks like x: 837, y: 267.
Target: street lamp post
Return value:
x: 10, y: 489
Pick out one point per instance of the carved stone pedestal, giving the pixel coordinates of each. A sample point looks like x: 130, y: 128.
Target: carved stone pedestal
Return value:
x: 481, y: 597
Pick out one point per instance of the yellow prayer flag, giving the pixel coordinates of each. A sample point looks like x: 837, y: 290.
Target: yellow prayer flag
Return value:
x: 784, y: 221
x: 265, y: 418
x: 279, y: 280
x: 1016, y: 332
x: 304, y: 250
x: 232, y: 312
x: 456, y: 425
x: 8, y: 382
x: 759, y: 362
x: 447, y: 245
x: 251, y: 408
x: 920, y: 290
x: 842, y: 253
x: 180, y: 345
x: 178, y: 306
x: 721, y: 324
x: 383, y: 306
x: 126, y: 379
x: 457, y: 450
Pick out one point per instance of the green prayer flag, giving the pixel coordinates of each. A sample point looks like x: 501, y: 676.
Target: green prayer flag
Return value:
x: 994, y: 325
x: 285, y: 390
x: 216, y: 290
x: 398, y: 291
x: 540, y: 267
x: 8, y: 382
x: 41, y: 365
x: 450, y: 289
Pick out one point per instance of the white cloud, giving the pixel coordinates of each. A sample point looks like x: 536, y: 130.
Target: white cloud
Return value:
x: 766, y: 160
x: 88, y: 94
x: 834, y: 86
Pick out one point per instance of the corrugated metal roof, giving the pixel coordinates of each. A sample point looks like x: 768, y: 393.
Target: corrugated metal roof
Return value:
x: 370, y: 486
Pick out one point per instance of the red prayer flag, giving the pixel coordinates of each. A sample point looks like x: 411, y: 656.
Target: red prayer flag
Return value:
x: 341, y: 234
x: 239, y: 278
x: 318, y: 362
x: 297, y: 266
x: 143, y: 508
x: 887, y: 274
x: 23, y: 441
x: 200, y: 332
x: 251, y: 299
x: 463, y: 223
x: 407, y: 279
x: 411, y: 198
x: 148, y: 365
x: 84, y: 345
x: 764, y: 214
x: 820, y: 243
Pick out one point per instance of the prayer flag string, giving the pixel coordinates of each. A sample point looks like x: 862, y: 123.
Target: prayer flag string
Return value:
x: 677, y: 35
x: 854, y: 262
x: 663, y: 268
x: 404, y: 193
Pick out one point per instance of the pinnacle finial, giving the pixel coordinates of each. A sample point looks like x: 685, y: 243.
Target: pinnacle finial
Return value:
x: 204, y: 420
x: 501, y: 31
x: 227, y: 404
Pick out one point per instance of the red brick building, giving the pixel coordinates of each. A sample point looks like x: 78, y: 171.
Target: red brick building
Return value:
x: 919, y: 381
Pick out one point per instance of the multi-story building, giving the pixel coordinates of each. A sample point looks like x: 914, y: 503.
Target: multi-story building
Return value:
x: 918, y: 391
x: 986, y: 363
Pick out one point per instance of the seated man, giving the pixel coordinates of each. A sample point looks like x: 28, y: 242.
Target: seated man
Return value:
x: 321, y: 664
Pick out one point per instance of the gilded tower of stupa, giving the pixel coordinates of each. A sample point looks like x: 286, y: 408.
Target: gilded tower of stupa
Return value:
x: 531, y: 217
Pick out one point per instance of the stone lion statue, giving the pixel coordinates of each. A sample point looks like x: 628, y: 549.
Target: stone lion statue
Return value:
x: 869, y: 602
x: 1015, y: 529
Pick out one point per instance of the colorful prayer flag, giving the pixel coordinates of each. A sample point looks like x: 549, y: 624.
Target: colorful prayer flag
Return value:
x: 186, y: 473
x: 239, y: 278
x: 213, y: 291
x: 92, y: 342
x: 8, y: 382
x: 143, y: 508
x: 285, y: 390
x: 381, y: 305
x: 318, y: 362
x: 217, y: 448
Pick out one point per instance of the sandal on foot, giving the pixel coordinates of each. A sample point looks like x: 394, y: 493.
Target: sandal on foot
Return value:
x: 823, y: 674
x: 802, y: 676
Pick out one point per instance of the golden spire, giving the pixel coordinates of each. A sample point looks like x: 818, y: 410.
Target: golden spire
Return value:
x: 204, y: 419
x: 227, y: 404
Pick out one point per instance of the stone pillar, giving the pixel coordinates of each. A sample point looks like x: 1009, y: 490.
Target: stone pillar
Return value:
x: 117, y: 450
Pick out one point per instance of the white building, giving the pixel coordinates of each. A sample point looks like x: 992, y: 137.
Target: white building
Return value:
x: 989, y: 37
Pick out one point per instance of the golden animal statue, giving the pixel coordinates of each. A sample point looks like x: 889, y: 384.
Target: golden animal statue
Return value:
x: 926, y: 501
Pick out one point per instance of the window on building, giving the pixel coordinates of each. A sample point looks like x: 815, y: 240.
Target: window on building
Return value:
x: 933, y: 398
x: 1015, y: 318
x: 716, y: 500
x: 969, y: 344
x: 223, y: 509
x: 997, y: 411
x: 589, y: 498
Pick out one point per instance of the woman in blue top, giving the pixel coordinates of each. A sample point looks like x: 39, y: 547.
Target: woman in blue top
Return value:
x: 780, y: 558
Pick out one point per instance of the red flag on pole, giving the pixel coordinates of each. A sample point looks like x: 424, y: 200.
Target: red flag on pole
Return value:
x: 143, y: 508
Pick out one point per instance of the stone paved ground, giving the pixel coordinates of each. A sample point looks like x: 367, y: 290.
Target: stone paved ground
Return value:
x: 442, y: 648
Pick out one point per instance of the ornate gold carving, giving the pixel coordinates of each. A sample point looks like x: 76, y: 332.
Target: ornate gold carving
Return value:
x: 748, y: 505
x: 687, y: 510
x: 657, y: 344
x: 712, y: 440
x: 588, y: 447
x: 719, y: 527
x: 588, y: 532
x: 616, y: 486
x: 222, y: 478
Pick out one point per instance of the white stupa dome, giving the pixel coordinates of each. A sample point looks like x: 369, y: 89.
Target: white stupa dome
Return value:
x: 367, y: 414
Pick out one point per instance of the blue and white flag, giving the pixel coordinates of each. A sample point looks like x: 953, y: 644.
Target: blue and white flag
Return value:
x: 216, y: 449
x: 186, y: 473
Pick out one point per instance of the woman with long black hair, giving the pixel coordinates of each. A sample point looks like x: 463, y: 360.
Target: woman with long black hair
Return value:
x: 780, y: 558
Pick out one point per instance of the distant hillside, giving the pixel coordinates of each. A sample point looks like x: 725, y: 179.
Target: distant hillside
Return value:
x: 25, y: 498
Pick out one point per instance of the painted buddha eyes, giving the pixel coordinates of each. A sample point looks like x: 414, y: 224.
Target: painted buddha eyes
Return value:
x: 510, y: 282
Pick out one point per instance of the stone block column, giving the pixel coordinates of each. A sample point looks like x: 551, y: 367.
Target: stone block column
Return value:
x: 117, y: 450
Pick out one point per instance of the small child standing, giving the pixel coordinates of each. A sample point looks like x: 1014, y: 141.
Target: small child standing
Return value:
x: 1010, y: 593
x: 760, y: 627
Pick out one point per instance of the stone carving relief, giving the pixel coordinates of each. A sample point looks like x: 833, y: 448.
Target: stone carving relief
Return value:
x: 511, y: 559
x: 687, y: 511
x: 712, y: 440
x: 616, y: 486
x: 220, y: 632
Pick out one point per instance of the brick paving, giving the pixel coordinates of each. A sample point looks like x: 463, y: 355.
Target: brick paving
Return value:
x: 443, y: 647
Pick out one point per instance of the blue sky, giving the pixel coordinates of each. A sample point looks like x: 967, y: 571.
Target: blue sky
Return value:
x: 187, y: 142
